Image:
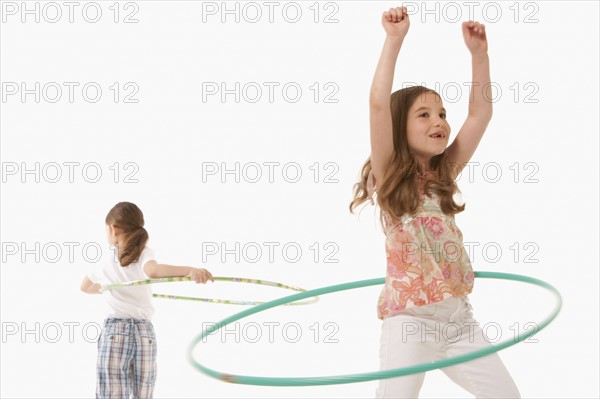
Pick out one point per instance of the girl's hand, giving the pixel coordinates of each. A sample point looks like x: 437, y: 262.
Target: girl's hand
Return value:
x: 396, y: 22
x: 200, y: 275
x: 89, y: 287
x: 475, y: 39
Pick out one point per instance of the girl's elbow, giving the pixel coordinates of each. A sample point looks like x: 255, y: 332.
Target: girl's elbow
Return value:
x: 152, y: 274
x: 151, y: 271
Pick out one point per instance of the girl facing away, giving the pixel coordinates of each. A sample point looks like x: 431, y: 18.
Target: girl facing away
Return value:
x: 127, y: 345
x: 424, y: 302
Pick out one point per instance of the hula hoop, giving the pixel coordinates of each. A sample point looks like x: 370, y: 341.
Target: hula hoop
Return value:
x: 383, y: 374
x: 212, y: 300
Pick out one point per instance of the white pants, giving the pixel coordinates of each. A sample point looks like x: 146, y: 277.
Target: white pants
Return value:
x: 437, y: 331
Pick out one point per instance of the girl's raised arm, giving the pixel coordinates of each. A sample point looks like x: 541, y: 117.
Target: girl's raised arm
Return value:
x: 480, y: 105
x: 396, y: 24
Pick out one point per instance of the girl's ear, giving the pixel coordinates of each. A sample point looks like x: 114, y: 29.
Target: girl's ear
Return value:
x: 113, y: 229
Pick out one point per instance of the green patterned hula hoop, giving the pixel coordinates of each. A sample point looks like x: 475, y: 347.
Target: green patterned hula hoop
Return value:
x: 384, y: 374
x: 213, y: 300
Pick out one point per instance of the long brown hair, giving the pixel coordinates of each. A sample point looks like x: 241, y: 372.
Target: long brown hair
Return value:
x: 398, y: 194
x: 128, y: 218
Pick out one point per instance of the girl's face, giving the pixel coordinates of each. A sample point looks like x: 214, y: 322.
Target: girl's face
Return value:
x: 426, y: 117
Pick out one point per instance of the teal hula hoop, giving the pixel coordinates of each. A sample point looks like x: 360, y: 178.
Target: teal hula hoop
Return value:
x: 362, y: 377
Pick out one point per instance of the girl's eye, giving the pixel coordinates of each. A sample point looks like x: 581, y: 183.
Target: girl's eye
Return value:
x: 427, y: 113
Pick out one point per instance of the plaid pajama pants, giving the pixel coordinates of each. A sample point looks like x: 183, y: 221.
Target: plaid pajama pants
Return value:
x: 126, y: 359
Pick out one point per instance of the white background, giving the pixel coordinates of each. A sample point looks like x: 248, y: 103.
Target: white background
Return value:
x: 548, y: 134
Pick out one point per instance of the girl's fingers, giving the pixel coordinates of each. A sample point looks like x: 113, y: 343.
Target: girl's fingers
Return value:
x: 399, y: 14
x: 403, y: 13
x: 395, y: 15
x: 476, y: 27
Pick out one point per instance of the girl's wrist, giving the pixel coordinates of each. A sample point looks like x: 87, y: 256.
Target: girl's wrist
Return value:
x: 480, y: 56
x: 394, y: 39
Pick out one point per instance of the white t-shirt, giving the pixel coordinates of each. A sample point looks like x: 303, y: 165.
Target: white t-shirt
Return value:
x: 133, y: 301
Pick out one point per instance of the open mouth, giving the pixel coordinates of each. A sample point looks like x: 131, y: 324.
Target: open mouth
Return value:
x: 438, y: 136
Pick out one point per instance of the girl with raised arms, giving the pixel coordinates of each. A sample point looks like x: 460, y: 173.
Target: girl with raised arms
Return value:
x: 424, y: 303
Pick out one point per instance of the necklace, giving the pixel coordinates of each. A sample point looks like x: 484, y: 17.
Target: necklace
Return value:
x: 424, y: 174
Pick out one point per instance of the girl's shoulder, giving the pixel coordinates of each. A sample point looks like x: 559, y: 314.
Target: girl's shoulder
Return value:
x: 147, y: 253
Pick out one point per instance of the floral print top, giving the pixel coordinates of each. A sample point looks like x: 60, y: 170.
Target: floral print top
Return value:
x: 426, y: 259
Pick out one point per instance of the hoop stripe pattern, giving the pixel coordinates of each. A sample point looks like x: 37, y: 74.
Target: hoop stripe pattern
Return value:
x: 213, y: 300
